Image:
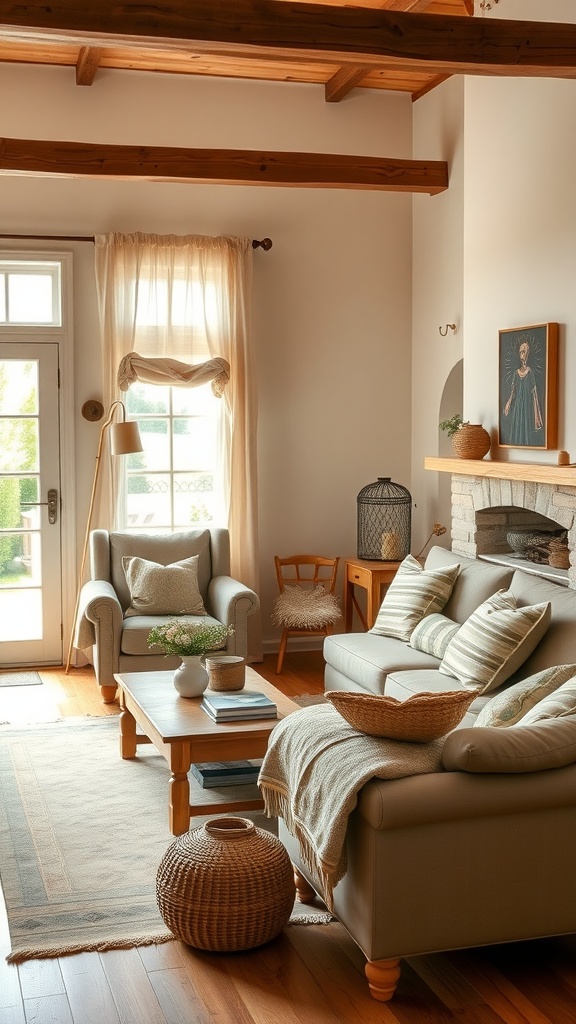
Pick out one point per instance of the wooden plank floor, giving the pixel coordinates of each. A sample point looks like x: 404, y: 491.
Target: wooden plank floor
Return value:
x: 308, y: 975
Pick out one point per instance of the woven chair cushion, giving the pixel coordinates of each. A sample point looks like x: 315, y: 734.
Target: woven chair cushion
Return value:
x: 305, y: 608
x: 419, y: 719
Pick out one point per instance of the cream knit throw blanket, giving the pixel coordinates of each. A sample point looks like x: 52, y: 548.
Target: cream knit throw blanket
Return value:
x: 314, y: 767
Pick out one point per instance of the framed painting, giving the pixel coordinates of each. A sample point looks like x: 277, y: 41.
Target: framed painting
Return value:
x: 528, y: 387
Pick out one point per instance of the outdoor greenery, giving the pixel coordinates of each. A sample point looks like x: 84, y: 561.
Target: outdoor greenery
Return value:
x: 18, y: 448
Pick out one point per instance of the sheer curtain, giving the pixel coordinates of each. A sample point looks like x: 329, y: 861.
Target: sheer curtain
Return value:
x: 187, y: 297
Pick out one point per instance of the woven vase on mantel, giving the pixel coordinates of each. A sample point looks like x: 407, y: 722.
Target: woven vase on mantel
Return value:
x: 471, y: 441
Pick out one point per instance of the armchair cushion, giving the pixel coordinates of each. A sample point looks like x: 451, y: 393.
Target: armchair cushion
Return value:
x: 157, y: 589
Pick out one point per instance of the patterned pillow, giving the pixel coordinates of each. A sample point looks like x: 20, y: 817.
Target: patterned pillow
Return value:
x: 433, y: 634
x: 495, y: 641
x: 163, y: 589
x: 413, y: 593
x: 509, y: 707
x: 558, y: 704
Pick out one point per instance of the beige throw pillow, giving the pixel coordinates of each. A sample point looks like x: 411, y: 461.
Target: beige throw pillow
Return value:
x: 495, y: 641
x: 512, y: 705
x: 413, y: 593
x: 163, y: 589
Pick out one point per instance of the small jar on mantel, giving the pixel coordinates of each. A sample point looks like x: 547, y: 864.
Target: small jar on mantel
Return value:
x: 471, y: 441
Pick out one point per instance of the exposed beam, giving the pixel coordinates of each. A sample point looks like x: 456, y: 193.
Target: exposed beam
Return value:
x: 268, y: 29
x: 87, y: 64
x: 343, y: 81
x: 220, y: 166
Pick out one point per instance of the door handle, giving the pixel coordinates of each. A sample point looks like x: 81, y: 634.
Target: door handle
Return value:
x: 52, y: 504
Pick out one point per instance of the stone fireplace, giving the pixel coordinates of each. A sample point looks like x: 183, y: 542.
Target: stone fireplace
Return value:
x: 492, y: 500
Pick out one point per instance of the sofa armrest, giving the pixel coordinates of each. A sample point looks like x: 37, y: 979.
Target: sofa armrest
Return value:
x: 100, y: 624
x: 421, y: 800
x: 232, y: 603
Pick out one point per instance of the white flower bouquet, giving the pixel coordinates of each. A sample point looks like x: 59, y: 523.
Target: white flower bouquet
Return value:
x: 189, y: 638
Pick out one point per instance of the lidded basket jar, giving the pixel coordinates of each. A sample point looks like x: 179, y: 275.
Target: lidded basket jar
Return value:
x: 226, y: 886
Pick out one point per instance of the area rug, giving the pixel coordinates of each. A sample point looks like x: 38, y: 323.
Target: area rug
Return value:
x: 20, y: 679
x: 82, y: 833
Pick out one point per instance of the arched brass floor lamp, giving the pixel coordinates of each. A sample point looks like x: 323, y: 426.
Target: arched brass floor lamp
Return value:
x: 124, y: 440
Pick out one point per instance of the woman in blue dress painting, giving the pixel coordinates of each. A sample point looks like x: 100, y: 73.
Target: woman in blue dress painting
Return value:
x: 523, y: 423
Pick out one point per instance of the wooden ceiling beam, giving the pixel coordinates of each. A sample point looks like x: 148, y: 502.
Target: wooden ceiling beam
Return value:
x: 220, y: 166
x: 343, y: 81
x: 269, y: 29
x: 87, y: 64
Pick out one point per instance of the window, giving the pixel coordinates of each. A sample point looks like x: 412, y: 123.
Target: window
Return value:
x: 172, y: 484
x: 30, y: 294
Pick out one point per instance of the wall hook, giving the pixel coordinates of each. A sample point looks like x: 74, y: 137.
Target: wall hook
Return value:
x: 444, y: 332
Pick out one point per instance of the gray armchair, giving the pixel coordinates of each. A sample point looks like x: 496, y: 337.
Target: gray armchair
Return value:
x: 119, y: 642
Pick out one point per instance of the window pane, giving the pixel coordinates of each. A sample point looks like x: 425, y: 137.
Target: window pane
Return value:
x: 20, y: 615
x: 20, y: 564
x: 156, y: 444
x: 194, y: 499
x: 2, y: 298
x: 18, y: 445
x: 147, y: 398
x: 194, y: 443
x: 200, y: 401
x: 18, y: 387
x: 149, y: 500
x: 30, y: 299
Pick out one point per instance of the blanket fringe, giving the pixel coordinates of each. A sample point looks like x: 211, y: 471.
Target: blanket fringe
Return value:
x: 18, y: 956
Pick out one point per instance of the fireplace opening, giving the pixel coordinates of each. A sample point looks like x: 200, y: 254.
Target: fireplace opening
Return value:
x: 524, y: 538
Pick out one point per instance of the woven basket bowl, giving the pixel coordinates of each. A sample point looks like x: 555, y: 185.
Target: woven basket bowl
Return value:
x: 226, y: 886
x: 420, y: 719
x: 226, y: 672
x: 471, y: 441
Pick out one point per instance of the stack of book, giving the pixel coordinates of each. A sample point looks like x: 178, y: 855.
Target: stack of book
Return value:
x: 226, y: 773
x: 232, y: 707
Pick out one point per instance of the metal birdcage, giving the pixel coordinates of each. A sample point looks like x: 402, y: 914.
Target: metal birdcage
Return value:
x: 384, y: 521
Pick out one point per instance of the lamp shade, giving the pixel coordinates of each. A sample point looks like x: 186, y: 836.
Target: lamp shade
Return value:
x: 125, y: 438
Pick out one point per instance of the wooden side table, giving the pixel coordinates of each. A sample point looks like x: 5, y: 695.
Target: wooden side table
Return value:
x: 371, y: 576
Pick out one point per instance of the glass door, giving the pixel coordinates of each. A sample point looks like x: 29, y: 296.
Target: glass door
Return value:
x: 30, y: 542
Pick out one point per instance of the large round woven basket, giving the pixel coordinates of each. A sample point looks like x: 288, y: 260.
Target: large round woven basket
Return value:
x: 226, y: 886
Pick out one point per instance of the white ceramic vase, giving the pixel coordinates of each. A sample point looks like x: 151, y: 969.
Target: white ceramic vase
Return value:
x: 191, y: 677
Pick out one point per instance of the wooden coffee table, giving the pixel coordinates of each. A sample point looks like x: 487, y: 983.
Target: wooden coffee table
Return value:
x: 186, y: 735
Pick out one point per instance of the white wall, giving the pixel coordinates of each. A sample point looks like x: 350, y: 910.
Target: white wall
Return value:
x: 438, y: 277
x: 501, y: 251
x: 331, y: 299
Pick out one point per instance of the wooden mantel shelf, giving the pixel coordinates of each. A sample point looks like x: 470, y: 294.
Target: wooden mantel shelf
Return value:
x: 530, y: 472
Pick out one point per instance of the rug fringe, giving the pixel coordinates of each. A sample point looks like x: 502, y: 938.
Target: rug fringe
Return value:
x: 18, y: 956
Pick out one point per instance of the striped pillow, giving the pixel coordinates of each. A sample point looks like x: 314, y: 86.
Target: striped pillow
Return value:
x: 559, y: 704
x: 433, y: 634
x: 495, y: 641
x: 413, y: 593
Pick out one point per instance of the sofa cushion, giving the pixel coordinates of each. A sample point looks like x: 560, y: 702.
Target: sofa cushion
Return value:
x: 558, y: 646
x: 157, y: 589
x: 515, y: 701
x: 364, y: 659
x: 521, y: 748
x: 413, y: 593
x: 496, y: 639
x: 476, y: 582
x: 433, y: 634
x: 420, y: 719
x: 556, y: 705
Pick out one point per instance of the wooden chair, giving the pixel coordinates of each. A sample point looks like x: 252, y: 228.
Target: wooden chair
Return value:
x: 306, y: 605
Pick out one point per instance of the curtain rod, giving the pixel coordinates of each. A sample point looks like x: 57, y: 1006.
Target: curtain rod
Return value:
x: 263, y: 243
